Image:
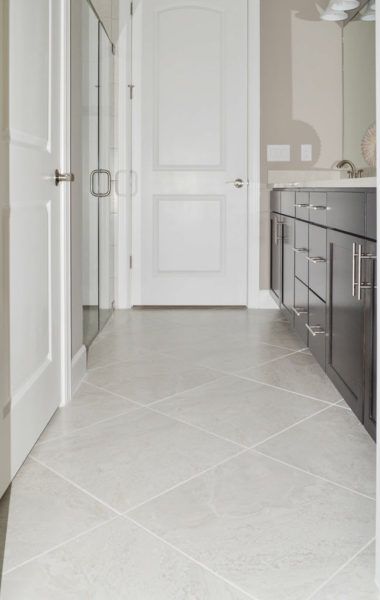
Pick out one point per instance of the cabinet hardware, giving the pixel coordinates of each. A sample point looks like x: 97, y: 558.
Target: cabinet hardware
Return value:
x: 315, y: 329
x: 354, y: 257
x: 299, y: 311
x: 316, y: 207
x: 315, y: 260
x: 362, y: 285
x: 301, y: 206
x: 274, y: 230
x: 300, y: 250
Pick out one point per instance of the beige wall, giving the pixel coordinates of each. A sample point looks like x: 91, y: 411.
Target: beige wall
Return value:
x: 301, y: 93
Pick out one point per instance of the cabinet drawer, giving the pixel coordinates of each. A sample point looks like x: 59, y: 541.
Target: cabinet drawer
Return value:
x: 318, y: 208
x: 301, y: 250
x: 302, y: 205
x: 288, y: 200
x: 317, y: 328
x: 317, y: 260
x: 346, y: 212
x: 301, y: 310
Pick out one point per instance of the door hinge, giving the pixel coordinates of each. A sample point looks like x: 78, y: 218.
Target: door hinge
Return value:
x: 131, y: 90
x: 131, y: 9
x: 130, y: 262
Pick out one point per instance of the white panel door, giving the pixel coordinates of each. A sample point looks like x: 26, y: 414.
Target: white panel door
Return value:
x: 35, y: 221
x: 190, y: 121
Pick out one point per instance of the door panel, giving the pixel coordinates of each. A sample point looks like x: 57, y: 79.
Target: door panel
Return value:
x: 35, y: 231
x: 288, y: 264
x: 370, y: 298
x: 190, y: 225
x: 345, y: 352
x: 276, y: 257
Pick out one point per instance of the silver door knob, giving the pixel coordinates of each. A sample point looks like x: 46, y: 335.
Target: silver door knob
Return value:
x: 62, y: 177
x: 237, y: 183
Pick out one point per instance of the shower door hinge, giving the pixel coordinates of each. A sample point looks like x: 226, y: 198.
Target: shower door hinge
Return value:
x: 131, y: 9
x: 130, y: 262
x: 131, y: 89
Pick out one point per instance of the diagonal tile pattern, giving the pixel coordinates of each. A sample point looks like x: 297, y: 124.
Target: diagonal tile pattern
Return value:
x: 207, y: 450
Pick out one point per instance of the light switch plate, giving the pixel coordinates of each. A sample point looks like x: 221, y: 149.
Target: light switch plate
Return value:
x: 306, y: 152
x: 276, y: 153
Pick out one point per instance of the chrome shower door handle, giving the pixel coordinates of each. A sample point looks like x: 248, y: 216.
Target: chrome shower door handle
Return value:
x: 109, y: 183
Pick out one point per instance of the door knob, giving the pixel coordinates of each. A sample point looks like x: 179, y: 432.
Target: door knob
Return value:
x: 62, y: 177
x: 237, y: 183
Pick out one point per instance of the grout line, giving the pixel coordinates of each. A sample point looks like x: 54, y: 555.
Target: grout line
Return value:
x: 185, y: 481
x: 197, y: 387
x: 323, y: 585
x: 57, y: 546
x: 200, y: 428
x: 330, y: 481
x: 268, y: 362
x: 308, y: 418
x: 103, y: 389
x: 79, y: 429
x: 190, y: 558
x: 276, y: 387
x: 76, y: 485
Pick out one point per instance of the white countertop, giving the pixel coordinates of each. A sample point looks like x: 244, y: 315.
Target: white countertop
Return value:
x: 364, y: 182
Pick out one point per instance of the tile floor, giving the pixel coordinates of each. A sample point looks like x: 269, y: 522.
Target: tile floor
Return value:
x: 205, y: 457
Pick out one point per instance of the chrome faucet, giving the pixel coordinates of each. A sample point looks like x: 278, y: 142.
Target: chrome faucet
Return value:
x: 353, y: 172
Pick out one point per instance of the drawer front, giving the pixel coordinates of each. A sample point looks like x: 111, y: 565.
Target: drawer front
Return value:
x: 288, y: 200
x: 346, y: 212
x: 317, y: 260
x: 317, y: 328
x: 318, y: 208
x: 301, y: 250
x: 371, y: 215
x: 275, y: 201
x: 302, y: 205
x: 301, y: 310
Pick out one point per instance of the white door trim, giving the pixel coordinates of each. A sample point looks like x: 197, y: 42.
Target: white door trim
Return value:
x: 257, y: 298
x: 65, y: 197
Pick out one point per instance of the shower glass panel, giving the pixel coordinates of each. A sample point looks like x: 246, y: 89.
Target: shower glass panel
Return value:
x: 91, y: 152
x: 106, y: 137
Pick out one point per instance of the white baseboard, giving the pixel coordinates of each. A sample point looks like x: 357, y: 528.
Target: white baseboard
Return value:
x: 78, y: 368
x: 263, y: 299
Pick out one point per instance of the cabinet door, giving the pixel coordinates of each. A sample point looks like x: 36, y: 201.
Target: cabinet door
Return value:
x: 369, y: 277
x: 276, y: 257
x: 288, y: 264
x: 345, y: 345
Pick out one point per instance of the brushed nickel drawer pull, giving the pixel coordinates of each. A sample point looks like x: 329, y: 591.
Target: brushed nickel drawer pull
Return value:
x: 300, y: 250
x: 317, y: 207
x: 315, y: 330
x: 299, y: 311
x: 354, y: 257
x: 301, y: 206
x: 316, y: 259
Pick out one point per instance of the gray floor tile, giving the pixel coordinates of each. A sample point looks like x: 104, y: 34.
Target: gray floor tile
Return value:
x: 333, y: 445
x: 147, y: 380
x: 89, y: 406
x: 355, y: 582
x: 116, y: 562
x: 298, y: 373
x: 242, y: 411
x: 132, y: 458
x: 41, y: 510
x: 276, y: 532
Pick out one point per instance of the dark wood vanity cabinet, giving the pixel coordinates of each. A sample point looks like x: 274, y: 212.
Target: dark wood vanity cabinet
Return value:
x: 324, y: 279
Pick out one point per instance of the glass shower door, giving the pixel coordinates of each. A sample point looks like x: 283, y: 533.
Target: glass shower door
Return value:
x: 106, y: 143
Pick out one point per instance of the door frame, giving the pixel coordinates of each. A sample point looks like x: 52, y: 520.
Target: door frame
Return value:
x: 256, y: 297
x: 65, y: 200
